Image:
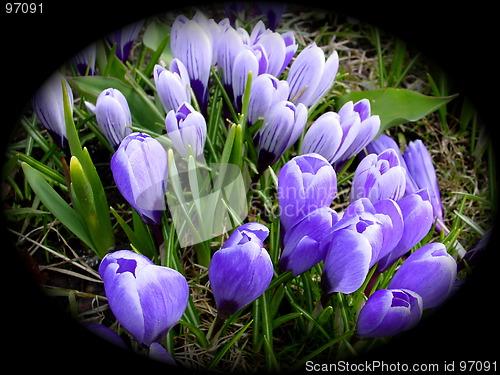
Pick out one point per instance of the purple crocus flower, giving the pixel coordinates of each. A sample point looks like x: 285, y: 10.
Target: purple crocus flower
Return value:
x: 113, y: 116
x: 158, y: 353
x: 359, y: 128
x: 423, y: 174
x: 302, y: 248
x: 266, y: 91
x: 124, y: 38
x: 147, y: 300
x: 139, y: 168
x: 172, y: 85
x: 191, y: 43
x: 281, y: 128
x: 430, y: 271
x: 187, y: 127
x: 310, y: 77
x: 246, y: 62
x: 305, y: 183
x: 417, y: 217
x: 241, y: 270
x: 272, y: 11
x: 379, y: 177
x: 84, y: 60
x: 388, y: 312
x: 323, y: 137
x: 48, y: 106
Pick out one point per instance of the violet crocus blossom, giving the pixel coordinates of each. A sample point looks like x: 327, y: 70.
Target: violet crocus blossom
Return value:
x: 241, y: 270
x: 423, y: 174
x: 430, y: 271
x: 84, y: 60
x: 187, y: 127
x: 172, y: 85
x: 281, y: 128
x: 139, y: 168
x: 191, y: 43
x: 266, y: 91
x: 124, y: 38
x: 379, y: 176
x: 302, y: 248
x: 388, y: 312
x: 305, y: 183
x: 272, y: 11
x: 418, y: 219
x: 48, y: 106
x: 323, y: 137
x: 147, y: 300
x: 113, y: 116
x: 310, y: 76
x: 359, y: 127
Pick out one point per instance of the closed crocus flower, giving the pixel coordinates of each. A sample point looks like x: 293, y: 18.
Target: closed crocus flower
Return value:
x: 124, y: 38
x: 187, y: 127
x: 430, y: 271
x: 246, y: 62
x: 48, y: 105
x: 310, y: 76
x: 266, y: 91
x: 172, y: 85
x: 240, y: 271
x: 323, y: 137
x: 147, y: 300
x: 388, y: 312
x: 423, y: 174
x: 418, y: 219
x: 359, y: 128
x: 139, y: 168
x: 113, y: 116
x: 379, y: 177
x: 191, y: 43
x: 84, y: 60
x: 302, y: 248
x: 281, y: 128
x: 305, y: 183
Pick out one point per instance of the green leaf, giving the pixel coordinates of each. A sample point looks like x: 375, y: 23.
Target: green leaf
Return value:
x: 397, y: 106
x: 58, y: 206
x: 154, y: 38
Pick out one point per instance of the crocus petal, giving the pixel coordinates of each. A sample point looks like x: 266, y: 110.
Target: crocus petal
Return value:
x: 158, y: 353
x: 323, y: 137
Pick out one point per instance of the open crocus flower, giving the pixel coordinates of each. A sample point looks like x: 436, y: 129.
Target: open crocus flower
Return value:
x: 302, y: 248
x: 379, y: 177
x: 281, y: 128
x: 172, y: 85
x: 266, y: 91
x: 147, y: 300
x: 417, y: 217
x: 388, y: 312
x: 113, y: 116
x: 310, y: 77
x: 187, y: 127
x: 241, y: 270
x: 305, y: 183
x: 191, y: 43
x: 430, y: 271
x: 48, y: 106
x: 139, y: 168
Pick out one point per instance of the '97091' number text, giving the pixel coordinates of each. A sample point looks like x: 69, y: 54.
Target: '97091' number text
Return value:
x: 23, y: 8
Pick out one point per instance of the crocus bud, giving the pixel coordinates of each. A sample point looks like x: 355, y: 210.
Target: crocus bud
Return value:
x: 147, y: 300
x: 310, y: 77
x: 379, y: 177
x: 241, y: 270
x: 302, y: 248
x: 323, y: 137
x: 84, y: 60
x: 191, y: 43
x: 359, y: 128
x: 430, y: 271
x: 187, y: 127
x: 388, y: 312
x: 422, y: 172
x: 266, y: 91
x: 281, y: 128
x: 417, y: 217
x: 246, y: 61
x: 124, y: 38
x: 113, y: 116
x: 172, y: 85
x: 139, y: 168
x: 48, y: 105
x: 305, y: 183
